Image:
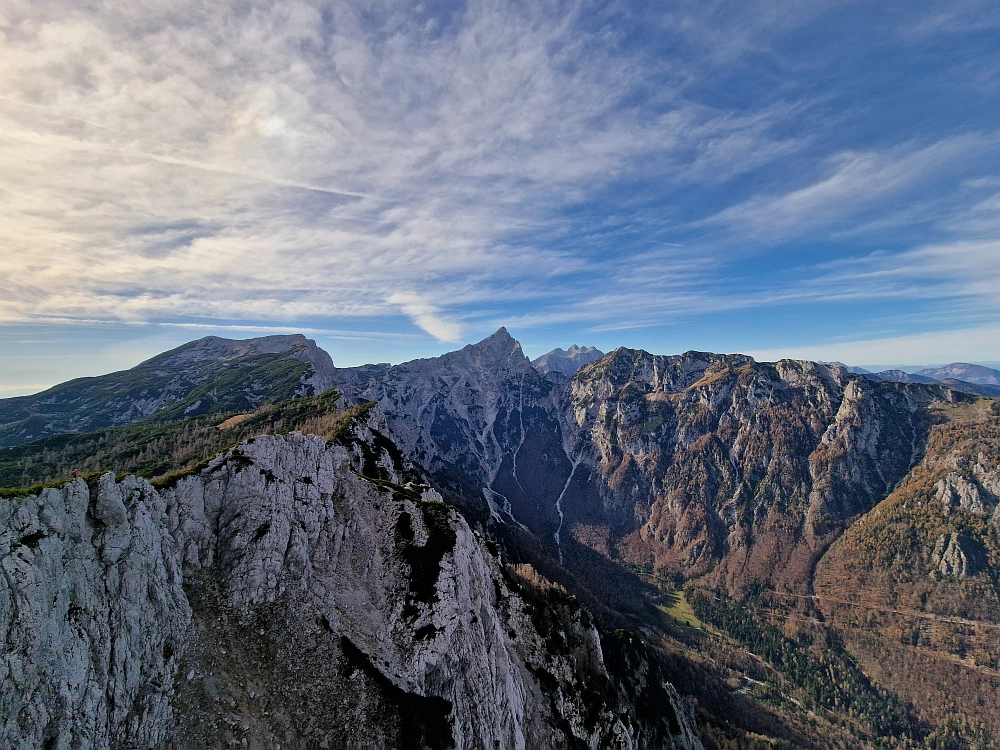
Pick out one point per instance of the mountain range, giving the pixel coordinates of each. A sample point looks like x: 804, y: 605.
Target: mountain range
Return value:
x: 962, y: 371
x: 974, y: 379
x: 603, y: 550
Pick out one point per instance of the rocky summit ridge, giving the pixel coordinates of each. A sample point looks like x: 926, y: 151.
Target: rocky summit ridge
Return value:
x: 690, y: 463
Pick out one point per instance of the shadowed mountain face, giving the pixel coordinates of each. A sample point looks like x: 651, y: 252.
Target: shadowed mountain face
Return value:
x: 211, y: 375
x: 699, y: 464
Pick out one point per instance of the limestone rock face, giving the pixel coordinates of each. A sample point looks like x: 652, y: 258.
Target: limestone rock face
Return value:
x: 955, y: 491
x: 973, y: 487
x: 480, y: 421
x: 955, y: 556
x: 444, y: 412
x: 93, y: 616
x: 329, y: 599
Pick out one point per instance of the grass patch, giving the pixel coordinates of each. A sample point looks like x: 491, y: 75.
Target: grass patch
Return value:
x: 680, y: 612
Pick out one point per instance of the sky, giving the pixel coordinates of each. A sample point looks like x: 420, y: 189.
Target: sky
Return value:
x: 809, y: 179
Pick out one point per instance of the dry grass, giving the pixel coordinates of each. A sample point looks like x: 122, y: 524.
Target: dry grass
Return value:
x: 526, y: 574
x: 233, y: 421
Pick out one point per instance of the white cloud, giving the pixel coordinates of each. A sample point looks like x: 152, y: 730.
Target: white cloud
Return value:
x: 297, y: 165
x: 964, y: 271
x: 293, y: 162
x: 856, y: 183
x: 427, y: 316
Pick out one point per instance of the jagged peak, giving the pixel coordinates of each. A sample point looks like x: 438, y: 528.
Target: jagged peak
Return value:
x: 494, y: 350
x: 499, y: 344
x: 501, y: 337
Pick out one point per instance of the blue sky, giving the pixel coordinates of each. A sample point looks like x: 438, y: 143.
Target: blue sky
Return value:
x: 810, y: 179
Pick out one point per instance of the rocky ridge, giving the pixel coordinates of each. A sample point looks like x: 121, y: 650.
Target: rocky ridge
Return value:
x: 301, y: 593
x: 715, y: 469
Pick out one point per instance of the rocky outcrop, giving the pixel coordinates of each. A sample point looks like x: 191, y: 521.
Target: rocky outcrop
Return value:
x: 211, y: 375
x: 975, y: 489
x: 93, y: 617
x: 296, y: 593
x: 956, y: 556
x: 955, y: 491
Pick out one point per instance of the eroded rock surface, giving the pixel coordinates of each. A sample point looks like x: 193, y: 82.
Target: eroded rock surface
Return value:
x: 295, y: 593
x: 93, y: 617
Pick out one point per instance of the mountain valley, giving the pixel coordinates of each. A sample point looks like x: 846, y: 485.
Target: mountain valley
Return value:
x: 475, y: 550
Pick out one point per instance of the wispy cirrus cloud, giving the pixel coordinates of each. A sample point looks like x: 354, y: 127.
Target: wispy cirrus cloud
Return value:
x: 856, y: 184
x: 556, y: 165
x: 369, y: 145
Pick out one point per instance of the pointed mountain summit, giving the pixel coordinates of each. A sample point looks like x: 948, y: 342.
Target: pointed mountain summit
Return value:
x: 567, y: 361
x: 436, y: 407
x: 494, y: 350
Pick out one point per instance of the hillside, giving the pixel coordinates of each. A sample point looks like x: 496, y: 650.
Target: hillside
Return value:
x: 208, y: 376
x: 301, y: 593
x: 915, y: 585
